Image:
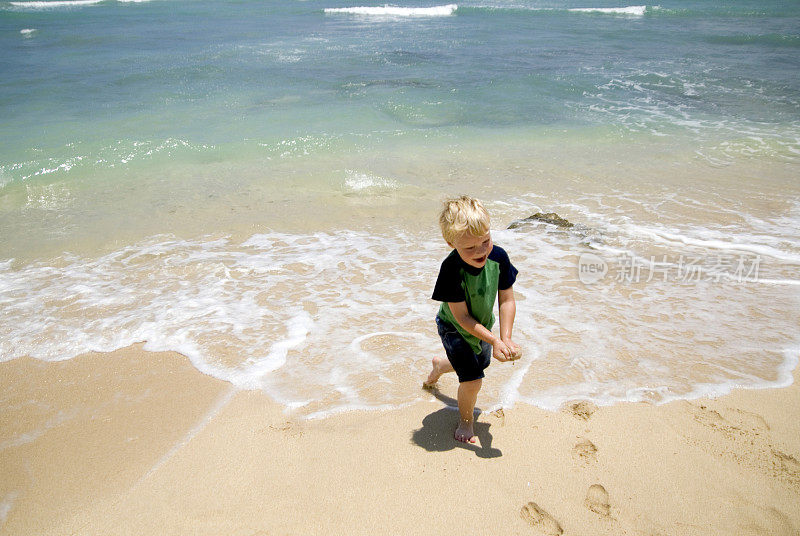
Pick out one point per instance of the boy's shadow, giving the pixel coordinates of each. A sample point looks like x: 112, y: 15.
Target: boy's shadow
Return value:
x: 436, y: 434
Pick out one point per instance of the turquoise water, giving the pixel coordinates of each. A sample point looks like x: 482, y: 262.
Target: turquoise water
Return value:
x: 184, y: 103
x: 170, y: 171
x: 112, y: 83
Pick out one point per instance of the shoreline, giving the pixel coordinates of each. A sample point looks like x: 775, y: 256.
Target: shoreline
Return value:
x: 136, y: 442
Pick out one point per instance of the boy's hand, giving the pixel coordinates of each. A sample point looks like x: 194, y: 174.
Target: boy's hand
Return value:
x: 516, y: 351
x: 500, y: 350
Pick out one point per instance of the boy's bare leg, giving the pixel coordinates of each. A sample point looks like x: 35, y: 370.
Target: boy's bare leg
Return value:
x: 467, y: 396
x: 441, y: 365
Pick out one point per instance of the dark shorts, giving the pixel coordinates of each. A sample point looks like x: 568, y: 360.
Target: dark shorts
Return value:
x: 467, y: 364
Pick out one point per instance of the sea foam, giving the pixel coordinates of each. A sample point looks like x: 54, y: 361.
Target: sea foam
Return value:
x: 55, y: 4
x: 629, y: 10
x: 330, y: 321
x: 366, y: 183
x: 393, y: 11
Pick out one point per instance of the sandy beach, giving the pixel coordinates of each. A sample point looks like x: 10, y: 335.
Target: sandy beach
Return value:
x: 136, y: 442
x: 237, y: 203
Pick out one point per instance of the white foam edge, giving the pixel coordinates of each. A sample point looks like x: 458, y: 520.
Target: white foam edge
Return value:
x: 355, y: 344
x: 358, y: 182
x: 55, y: 3
x: 212, y: 412
x: 298, y: 328
x: 347, y: 408
x: 509, y: 392
x: 667, y: 237
x: 396, y: 11
x: 6, y: 505
x: 249, y: 377
x: 629, y: 10
x: 30, y: 437
x: 791, y: 282
x: 556, y: 398
x: 758, y: 249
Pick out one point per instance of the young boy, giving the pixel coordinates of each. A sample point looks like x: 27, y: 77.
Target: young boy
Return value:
x: 470, y: 278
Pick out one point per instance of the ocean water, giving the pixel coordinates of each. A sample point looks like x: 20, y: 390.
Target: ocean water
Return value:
x: 255, y: 185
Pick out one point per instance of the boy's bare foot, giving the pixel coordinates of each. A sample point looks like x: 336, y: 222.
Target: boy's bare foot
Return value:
x: 464, y: 432
x: 436, y: 373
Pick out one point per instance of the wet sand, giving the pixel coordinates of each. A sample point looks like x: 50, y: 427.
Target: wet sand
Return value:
x: 140, y: 443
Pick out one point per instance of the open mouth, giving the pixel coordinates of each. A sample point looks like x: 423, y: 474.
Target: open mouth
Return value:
x: 480, y: 260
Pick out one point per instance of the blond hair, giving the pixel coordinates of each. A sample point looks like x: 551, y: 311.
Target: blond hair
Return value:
x: 462, y: 215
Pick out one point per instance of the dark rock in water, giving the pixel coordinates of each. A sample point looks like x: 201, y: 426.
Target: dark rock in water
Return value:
x: 551, y: 218
x: 586, y: 236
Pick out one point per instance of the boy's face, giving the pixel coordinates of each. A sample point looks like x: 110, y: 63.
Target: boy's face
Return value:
x: 474, y: 250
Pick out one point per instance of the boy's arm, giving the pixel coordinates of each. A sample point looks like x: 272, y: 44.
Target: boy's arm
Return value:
x: 460, y: 312
x: 508, y: 310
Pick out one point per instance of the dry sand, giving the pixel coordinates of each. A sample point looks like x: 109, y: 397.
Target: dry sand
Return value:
x: 141, y: 443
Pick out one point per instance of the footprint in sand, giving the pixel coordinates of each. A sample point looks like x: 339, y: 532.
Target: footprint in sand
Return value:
x: 540, y: 520
x: 287, y: 428
x: 730, y: 420
x: 748, y: 420
x: 788, y: 462
x: 582, y: 410
x: 597, y: 500
x: 788, y: 466
x: 755, y: 520
x: 584, y: 450
x: 500, y: 414
x: 750, y: 431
